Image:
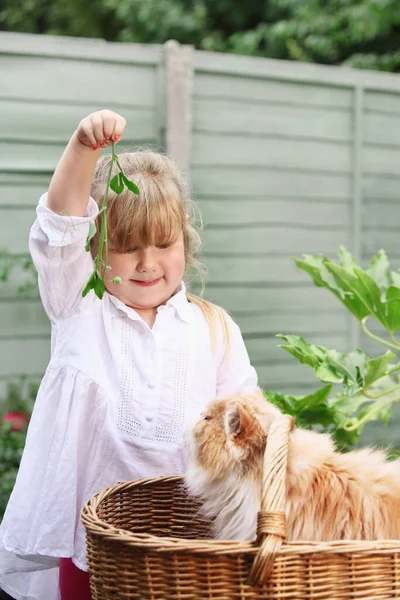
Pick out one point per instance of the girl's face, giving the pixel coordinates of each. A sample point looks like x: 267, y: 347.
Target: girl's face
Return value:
x: 149, y: 276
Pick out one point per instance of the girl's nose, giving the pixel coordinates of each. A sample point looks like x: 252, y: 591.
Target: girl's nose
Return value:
x: 147, y: 260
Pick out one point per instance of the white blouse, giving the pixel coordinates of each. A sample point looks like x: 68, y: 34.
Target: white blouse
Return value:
x: 112, y: 405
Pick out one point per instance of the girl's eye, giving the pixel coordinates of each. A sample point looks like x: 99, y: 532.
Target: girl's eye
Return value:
x: 131, y: 250
x: 163, y: 246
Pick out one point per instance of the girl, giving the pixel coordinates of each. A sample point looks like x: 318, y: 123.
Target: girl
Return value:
x: 126, y: 372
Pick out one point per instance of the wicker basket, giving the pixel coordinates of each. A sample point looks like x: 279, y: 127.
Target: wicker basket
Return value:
x: 147, y: 541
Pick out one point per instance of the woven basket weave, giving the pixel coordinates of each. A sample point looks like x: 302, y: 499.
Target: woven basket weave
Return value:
x: 147, y: 541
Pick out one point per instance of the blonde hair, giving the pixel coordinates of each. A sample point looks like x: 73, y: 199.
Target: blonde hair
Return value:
x: 156, y: 216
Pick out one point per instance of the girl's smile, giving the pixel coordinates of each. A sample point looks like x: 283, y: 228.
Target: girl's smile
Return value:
x: 146, y: 283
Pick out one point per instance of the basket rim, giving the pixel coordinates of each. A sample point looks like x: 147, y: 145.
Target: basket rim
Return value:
x: 166, y: 544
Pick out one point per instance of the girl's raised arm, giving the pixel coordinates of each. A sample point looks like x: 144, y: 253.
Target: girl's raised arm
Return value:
x: 70, y: 185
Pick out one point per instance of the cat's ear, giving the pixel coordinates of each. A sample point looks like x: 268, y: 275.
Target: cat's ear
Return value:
x: 237, y: 419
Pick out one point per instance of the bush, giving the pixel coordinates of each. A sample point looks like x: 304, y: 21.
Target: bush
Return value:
x: 16, y: 409
x: 358, y: 388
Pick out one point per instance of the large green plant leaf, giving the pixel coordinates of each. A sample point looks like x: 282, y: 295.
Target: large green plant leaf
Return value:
x: 356, y: 302
x: 313, y: 409
x: 330, y: 366
x: 355, y: 370
x: 322, y: 272
x: 393, y: 308
x: 374, y: 291
x: 379, y: 269
x: 378, y: 367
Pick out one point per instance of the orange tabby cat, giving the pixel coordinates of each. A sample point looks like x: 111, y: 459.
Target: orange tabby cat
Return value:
x: 330, y: 496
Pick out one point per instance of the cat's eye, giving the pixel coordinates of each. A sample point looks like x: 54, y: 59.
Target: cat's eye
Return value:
x: 207, y: 418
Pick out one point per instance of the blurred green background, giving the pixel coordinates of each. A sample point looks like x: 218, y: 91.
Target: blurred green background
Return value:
x: 362, y: 34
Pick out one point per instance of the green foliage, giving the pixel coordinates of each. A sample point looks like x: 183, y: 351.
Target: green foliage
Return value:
x: 11, y: 448
x: 373, y: 292
x: 20, y: 397
x: 117, y: 183
x: 368, y: 386
x: 359, y: 33
x: 21, y: 394
x: 336, y: 32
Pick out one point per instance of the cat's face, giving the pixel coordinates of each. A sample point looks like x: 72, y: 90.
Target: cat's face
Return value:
x: 228, y: 441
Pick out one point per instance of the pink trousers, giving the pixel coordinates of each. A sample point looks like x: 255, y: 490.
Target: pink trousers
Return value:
x: 74, y: 583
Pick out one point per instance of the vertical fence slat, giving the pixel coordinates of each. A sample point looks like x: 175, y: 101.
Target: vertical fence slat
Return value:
x: 160, y: 107
x: 356, y: 225
x: 179, y: 89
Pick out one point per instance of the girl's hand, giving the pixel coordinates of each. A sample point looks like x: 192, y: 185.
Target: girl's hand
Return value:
x: 101, y: 128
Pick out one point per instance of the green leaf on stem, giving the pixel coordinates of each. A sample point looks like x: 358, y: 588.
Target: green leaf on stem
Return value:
x: 381, y: 409
x: 322, y: 271
x: 330, y: 366
x: 361, y: 291
x: 372, y: 296
x: 117, y: 183
x: 395, y: 278
x: 90, y: 284
x: 306, y: 353
x: 346, y: 413
x: 313, y: 409
x: 348, y: 282
x: 130, y: 185
x: 346, y: 259
x: 393, y: 308
x: 378, y: 367
x: 379, y: 269
x: 99, y: 287
x: 91, y: 234
x: 314, y: 265
x: 95, y: 283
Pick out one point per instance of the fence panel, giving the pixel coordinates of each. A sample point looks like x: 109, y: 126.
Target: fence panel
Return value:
x: 283, y: 159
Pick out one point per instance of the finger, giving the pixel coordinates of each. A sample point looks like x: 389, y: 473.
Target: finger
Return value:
x: 119, y: 128
x: 108, y: 125
x: 85, y: 133
x: 97, y: 124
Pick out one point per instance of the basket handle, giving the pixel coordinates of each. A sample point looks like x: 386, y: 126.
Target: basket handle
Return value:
x: 271, y: 525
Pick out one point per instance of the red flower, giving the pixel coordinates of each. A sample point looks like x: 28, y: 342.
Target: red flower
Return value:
x: 18, y: 420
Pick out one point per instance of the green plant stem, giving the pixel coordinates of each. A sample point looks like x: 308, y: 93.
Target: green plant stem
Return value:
x: 368, y: 415
x: 385, y: 393
x: 377, y: 338
x: 96, y: 281
x: 103, y: 242
x: 392, y: 337
x: 116, y: 160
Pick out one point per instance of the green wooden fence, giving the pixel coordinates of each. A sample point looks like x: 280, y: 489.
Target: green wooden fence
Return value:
x: 283, y: 158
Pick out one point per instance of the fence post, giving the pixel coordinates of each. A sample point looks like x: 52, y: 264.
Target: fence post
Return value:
x: 357, y: 198
x: 178, y: 90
